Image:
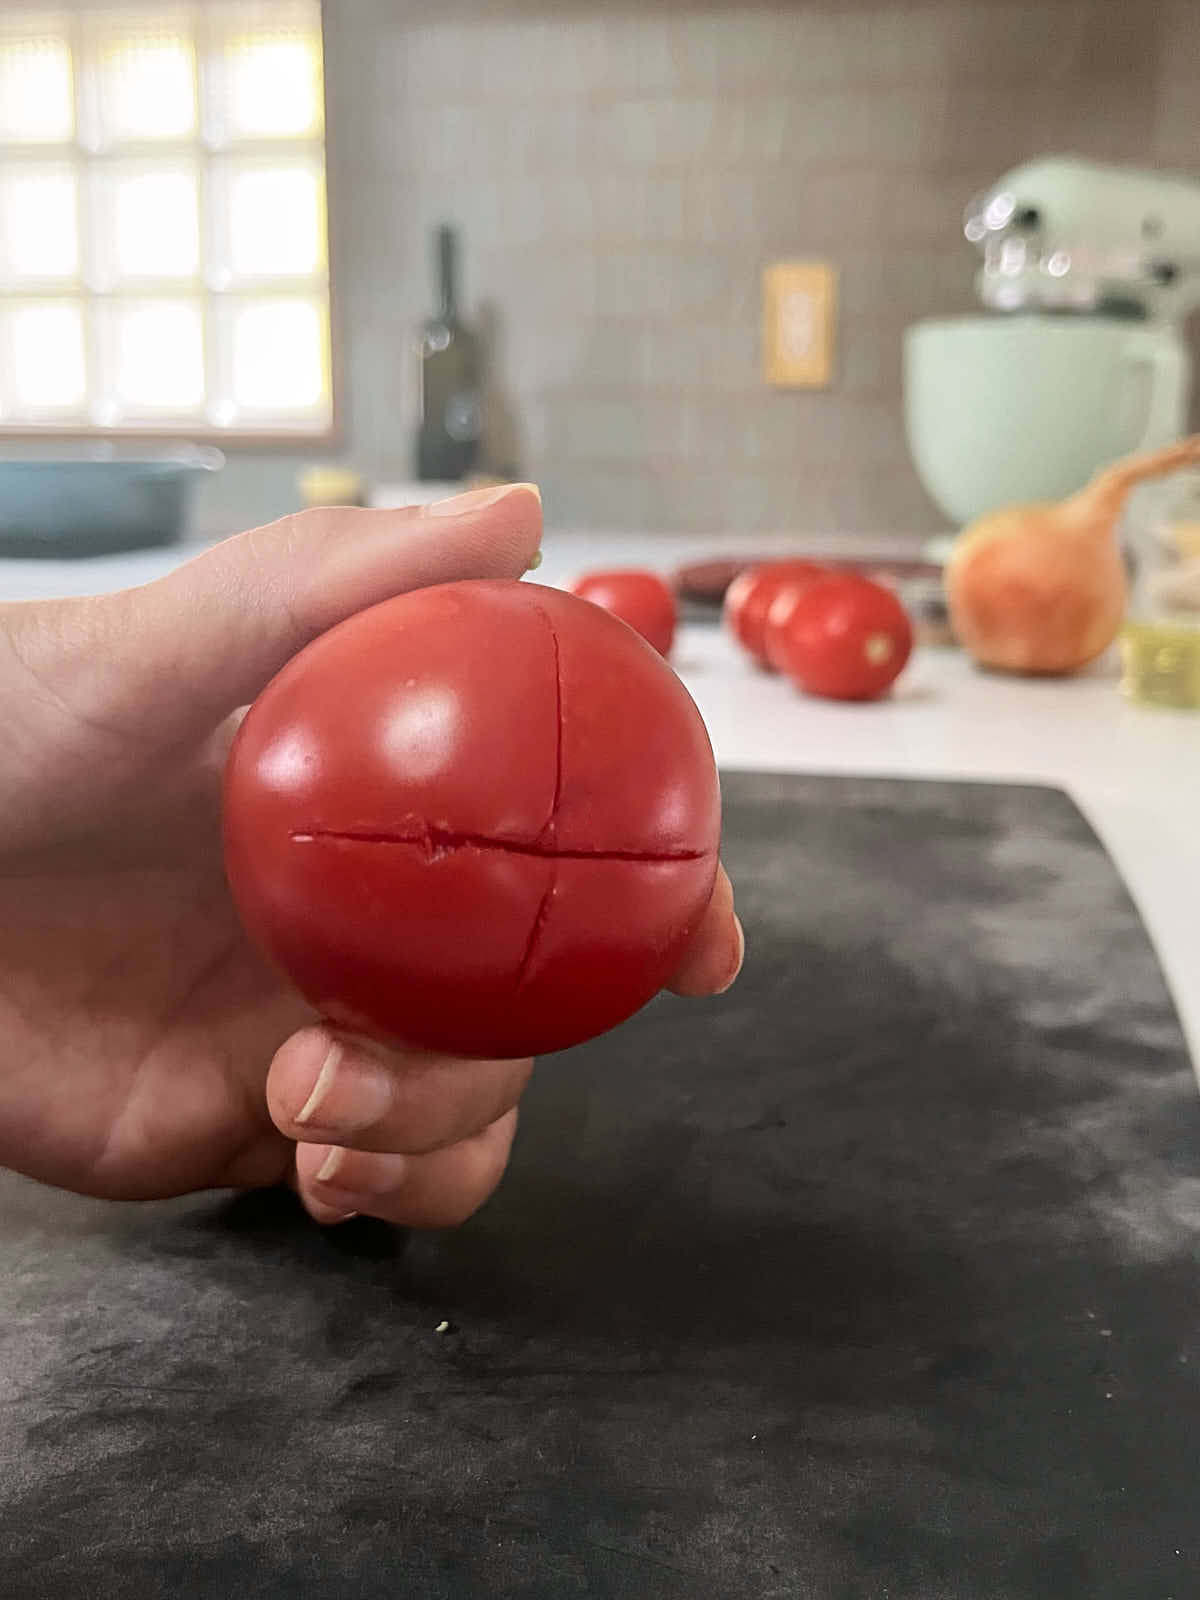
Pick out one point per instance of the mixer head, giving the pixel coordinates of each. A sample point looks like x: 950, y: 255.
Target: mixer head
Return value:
x: 1063, y: 234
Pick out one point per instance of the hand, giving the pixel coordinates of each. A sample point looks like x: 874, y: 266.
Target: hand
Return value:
x: 145, y: 1049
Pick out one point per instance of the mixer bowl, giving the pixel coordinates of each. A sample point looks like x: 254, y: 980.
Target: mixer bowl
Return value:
x: 1002, y: 410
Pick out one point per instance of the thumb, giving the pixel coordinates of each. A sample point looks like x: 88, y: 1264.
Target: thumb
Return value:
x: 211, y: 634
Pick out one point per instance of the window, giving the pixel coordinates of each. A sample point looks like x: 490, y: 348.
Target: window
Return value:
x: 163, y: 241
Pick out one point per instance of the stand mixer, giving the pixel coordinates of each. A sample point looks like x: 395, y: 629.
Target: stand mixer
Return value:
x: 1087, y: 272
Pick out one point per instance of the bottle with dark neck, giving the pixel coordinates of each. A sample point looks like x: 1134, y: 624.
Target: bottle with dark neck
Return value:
x: 450, y: 362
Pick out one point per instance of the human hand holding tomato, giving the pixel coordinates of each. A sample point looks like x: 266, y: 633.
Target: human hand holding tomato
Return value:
x: 148, y: 1049
x: 642, y: 599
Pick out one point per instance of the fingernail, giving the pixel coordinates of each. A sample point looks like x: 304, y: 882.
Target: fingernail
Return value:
x: 375, y: 1177
x: 479, y: 499
x: 349, y: 1094
x: 332, y: 1165
x: 739, y: 954
x: 322, y: 1086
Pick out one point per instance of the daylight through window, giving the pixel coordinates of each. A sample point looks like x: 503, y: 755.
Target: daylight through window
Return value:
x: 163, y: 241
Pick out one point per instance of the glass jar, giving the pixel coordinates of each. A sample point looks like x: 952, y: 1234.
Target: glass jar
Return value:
x: 1160, y: 642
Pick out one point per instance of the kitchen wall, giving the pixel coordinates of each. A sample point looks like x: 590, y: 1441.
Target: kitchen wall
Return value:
x: 621, y: 175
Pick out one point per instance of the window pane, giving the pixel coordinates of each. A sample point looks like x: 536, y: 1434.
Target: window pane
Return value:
x: 37, y: 94
x: 42, y: 353
x: 39, y: 228
x: 154, y: 358
x: 145, y: 223
x: 279, y: 358
x: 157, y: 225
x: 275, y: 216
x: 140, y: 77
x: 265, y: 78
x: 274, y: 87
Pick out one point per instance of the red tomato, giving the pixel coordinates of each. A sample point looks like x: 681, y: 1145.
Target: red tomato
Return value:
x: 780, y: 601
x: 843, y: 637
x: 480, y: 818
x: 749, y: 597
x: 642, y: 599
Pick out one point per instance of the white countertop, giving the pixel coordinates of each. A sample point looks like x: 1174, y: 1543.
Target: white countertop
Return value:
x: 1135, y: 773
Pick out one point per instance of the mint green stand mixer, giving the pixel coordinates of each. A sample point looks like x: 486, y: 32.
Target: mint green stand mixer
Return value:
x: 1077, y: 358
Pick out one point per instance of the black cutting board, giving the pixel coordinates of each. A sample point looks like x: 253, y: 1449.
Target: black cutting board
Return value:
x: 877, y: 1278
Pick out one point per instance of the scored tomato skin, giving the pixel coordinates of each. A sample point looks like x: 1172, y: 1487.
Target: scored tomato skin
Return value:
x: 481, y: 819
x: 843, y: 637
x: 748, y: 600
x: 642, y: 599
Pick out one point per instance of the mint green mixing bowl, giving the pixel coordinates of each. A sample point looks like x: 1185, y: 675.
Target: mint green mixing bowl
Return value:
x: 1002, y: 410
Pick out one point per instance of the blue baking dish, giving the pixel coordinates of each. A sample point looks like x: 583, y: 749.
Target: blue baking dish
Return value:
x: 95, y: 503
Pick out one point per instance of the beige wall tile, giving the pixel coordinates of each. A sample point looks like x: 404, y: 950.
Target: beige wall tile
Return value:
x: 622, y: 177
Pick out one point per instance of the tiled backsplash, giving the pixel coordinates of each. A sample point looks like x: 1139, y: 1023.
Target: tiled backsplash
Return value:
x: 621, y: 176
